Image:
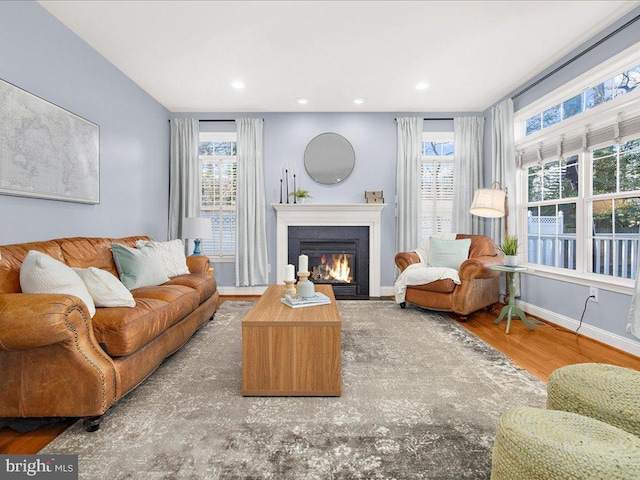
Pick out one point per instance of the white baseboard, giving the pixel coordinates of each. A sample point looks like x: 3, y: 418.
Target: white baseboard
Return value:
x: 386, y: 291
x: 241, y: 290
x: 612, y: 339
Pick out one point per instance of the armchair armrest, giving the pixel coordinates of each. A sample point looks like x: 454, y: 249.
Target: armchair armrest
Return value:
x: 480, y: 267
x: 36, y: 320
x: 404, y: 259
x: 198, y: 264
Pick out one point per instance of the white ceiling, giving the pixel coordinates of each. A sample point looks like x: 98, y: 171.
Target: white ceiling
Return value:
x: 471, y: 53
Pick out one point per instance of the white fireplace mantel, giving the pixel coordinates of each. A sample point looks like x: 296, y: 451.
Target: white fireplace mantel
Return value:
x: 330, y: 214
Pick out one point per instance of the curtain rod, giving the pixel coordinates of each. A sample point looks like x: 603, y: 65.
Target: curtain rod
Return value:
x: 576, y: 57
x: 439, y: 118
x: 213, y: 121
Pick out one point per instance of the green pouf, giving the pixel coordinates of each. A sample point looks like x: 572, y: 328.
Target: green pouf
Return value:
x: 604, y: 392
x: 538, y: 444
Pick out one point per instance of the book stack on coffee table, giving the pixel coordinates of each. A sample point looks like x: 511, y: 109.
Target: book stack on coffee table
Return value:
x: 297, y: 301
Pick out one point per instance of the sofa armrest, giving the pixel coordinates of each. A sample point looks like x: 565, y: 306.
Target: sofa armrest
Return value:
x: 50, y: 362
x: 198, y: 264
x: 480, y: 267
x: 37, y: 320
x: 404, y: 259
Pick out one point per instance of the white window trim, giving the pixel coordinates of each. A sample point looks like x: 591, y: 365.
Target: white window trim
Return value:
x: 218, y: 137
x: 592, y: 77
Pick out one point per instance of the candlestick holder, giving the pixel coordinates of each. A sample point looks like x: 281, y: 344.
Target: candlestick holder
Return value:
x: 295, y: 199
x: 286, y: 180
x: 306, y: 288
x: 289, y: 287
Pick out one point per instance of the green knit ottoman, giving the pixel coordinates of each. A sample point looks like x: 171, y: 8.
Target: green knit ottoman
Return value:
x: 538, y: 444
x: 604, y: 392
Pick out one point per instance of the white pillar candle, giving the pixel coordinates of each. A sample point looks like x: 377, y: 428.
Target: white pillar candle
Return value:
x: 289, y: 273
x: 303, y: 263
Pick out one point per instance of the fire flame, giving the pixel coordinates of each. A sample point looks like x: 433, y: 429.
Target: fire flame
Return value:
x: 338, y: 268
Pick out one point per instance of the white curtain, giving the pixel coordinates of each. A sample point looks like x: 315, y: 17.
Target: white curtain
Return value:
x: 633, y: 327
x: 183, y: 173
x: 468, y: 134
x: 408, y: 172
x: 252, y: 266
x: 503, y: 163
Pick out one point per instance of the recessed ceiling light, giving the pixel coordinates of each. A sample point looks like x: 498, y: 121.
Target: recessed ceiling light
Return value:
x: 359, y: 101
x: 302, y: 100
x: 422, y: 86
x: 237, y: 84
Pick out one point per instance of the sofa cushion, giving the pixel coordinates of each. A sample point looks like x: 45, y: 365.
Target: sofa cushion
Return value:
x: 105, y: 288
x: 172, y: 253
x: 205, y: 285
x: 446, y: 285
x: 122, y: 331
x: 138, y: 268
x: 448, y: 253
x: 42, y: 274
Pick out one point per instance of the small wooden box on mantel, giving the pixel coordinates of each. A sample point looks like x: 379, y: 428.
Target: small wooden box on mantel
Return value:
x: 373, y: 196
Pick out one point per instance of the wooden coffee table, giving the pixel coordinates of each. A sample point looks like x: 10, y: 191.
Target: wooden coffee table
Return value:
x: 291, y: 351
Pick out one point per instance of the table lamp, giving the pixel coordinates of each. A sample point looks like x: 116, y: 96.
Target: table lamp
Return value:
x: 196, y: 228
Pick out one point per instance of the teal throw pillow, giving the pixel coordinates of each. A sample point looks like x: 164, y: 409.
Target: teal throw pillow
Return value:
x: 138, y: 268
x: 448, y: 253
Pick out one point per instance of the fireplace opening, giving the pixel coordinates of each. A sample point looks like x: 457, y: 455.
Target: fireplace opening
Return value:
x: 333, y: 269
x: 333, y: 263
x: 338, y: 256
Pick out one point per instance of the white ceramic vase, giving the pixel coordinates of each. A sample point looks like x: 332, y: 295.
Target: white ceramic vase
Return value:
x: 511, y: 260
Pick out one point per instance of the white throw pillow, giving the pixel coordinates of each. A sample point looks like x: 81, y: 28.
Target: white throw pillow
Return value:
x: 42, y: 274
x: 105, y: 289
x: 172, y: 253
x: 138, y: 268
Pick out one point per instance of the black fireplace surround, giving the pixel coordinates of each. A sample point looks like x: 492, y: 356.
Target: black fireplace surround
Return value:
x: 347, y: 242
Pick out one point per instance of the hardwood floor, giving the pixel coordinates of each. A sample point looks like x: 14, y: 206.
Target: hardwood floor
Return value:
x: 540, y: 352
x: 545, y: 349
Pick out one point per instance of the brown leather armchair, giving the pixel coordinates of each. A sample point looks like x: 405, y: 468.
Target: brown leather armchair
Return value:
x: 479, y: 286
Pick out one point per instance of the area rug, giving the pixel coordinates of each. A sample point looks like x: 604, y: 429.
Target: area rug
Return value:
x: 421, y: 398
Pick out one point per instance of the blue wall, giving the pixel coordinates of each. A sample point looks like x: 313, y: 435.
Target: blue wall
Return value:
x: 373, y: 136
x: 44, y: 57
x: 561, y: 297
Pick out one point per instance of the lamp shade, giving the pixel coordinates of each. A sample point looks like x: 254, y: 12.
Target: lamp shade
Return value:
x: 196, y: 227
x: 489, y: 203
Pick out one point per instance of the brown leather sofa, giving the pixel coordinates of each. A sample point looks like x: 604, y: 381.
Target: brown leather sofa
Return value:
x: 479, y: 285
x: 57, y: 361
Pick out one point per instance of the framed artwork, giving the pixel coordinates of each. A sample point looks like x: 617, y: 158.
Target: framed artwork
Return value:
x: 45, y: 150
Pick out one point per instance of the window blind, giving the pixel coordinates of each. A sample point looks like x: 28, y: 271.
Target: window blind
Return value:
x: 218, y: 202
x: 568, y: 145
x: 437, y: 197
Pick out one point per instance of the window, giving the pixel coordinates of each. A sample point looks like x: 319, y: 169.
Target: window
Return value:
x: 615, y: 209
x: 607, y: 212
x: 437, y: 182
x: 579, y: 195
x: 622, y: 83
x: 217, y: 153
x: 551, y: 212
